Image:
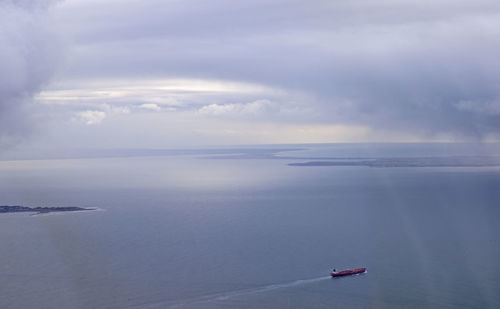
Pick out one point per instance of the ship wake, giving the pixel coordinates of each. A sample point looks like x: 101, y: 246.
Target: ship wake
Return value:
x: 225, y: 296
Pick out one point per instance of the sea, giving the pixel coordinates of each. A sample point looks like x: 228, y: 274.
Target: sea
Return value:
x: 257, y: 226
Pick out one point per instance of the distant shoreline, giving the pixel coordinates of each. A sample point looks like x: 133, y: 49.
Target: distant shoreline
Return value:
x: 450, y: 161
x: 40, y: 210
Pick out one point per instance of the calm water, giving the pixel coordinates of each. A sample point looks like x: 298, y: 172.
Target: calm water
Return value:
x: 186, y: 231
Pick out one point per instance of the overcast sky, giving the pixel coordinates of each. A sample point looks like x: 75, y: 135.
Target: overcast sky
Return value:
x: 151, y: 73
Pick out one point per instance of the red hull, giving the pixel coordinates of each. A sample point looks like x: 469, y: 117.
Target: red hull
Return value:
x: 348, y: 272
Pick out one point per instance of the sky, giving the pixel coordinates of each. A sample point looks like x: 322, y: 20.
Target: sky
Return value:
x: 171, y: 73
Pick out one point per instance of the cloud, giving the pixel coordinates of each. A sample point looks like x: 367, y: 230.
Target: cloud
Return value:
x: 162, y: 92
x: 158, y: 95
x: 394, y: 65
x: 95, y: 117
x: 91, y: 117
x: 416, y: 69
x: 242, y: 109
x: 29, y: 51
x: 150, y: 106
x: 118, y: 109
x: 480, y: 107
x: 216, y: 109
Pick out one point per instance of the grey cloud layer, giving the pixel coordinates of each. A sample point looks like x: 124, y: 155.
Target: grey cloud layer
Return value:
x: 429, y: 66
x: 28, y: 52
x: 423, y: 67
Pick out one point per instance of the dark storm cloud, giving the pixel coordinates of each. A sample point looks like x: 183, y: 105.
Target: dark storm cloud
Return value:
x: 419, y: 66
x: 28, y: 52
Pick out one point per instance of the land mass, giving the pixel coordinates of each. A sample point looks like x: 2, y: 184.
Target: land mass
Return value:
x: 456, y: 161
x: 39, y: 210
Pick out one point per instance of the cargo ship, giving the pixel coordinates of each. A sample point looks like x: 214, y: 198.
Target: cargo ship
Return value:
x: 347, y: 272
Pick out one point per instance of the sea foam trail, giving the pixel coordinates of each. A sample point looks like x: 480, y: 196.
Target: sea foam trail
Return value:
x: 244, y: 292
x: 229, y: 294
x: 269, y: 288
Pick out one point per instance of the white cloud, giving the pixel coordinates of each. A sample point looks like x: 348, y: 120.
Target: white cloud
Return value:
x: 150, y: 106
x: 91, y: 117
x: 116, y: 109
x: 217, y: 109
x: 126, y: 96
x: 252, y: 108
x: 94, y: 117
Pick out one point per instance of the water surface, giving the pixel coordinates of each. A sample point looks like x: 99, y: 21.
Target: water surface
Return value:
x: 185, y: 231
